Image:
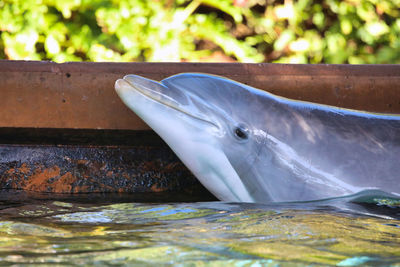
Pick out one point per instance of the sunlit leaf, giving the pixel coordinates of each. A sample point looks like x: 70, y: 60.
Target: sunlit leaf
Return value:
x: 99, y: 52
x: 21, y: 45
x: 284, y: 39
x: 284, y: 11
x: 319, y: 19
x: 51, y: 45
x: 300, y: 45
x: 65, y: 7
x: 366, y: 11
x: 377, y: 28
x: 227, y: 7
x: 346, y: 26
x: 356, y: 60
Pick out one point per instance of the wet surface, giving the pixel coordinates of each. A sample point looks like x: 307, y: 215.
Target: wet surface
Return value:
x: 107, y: 232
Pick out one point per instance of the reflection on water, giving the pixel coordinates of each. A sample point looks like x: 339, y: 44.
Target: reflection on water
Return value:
x: 197, y: 234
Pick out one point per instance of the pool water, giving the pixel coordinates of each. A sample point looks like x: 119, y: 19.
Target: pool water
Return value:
x: 48, y: 232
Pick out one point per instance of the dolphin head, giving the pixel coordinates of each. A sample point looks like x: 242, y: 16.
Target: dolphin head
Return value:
x: 205, y: 121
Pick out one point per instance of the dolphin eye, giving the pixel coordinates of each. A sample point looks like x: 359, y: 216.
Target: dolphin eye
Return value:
x: 241, y: 133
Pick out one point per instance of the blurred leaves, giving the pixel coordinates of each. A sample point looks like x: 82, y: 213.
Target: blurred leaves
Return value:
x: 303, y: 31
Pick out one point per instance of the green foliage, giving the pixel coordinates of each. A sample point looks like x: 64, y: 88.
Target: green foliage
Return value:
x: 303, y: 31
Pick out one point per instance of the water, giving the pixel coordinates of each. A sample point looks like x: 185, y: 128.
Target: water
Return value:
x: 119, y: 232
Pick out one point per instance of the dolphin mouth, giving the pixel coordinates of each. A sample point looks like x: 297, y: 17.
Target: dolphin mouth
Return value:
x: 174, y: 99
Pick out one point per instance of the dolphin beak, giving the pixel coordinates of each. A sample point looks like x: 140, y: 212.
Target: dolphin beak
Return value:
x: 122, y: 86
x: 152, y: 89
x: 175, y: 99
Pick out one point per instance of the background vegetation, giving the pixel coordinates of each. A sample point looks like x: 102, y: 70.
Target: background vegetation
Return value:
x: 303, y: 31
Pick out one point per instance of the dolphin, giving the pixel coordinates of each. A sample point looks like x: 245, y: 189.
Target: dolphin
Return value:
x: 248, y: 145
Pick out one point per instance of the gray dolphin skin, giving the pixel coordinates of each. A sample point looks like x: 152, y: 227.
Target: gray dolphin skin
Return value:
x: 248, y: 145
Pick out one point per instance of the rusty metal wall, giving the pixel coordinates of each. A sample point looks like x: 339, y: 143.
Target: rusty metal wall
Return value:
x: 70, y: 161
x: 91, y: 169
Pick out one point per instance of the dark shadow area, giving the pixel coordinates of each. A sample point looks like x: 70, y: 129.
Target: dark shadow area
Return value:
x: 93, y: 137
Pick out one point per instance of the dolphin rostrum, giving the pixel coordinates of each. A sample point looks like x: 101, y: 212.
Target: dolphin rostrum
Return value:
x: 248, y: 145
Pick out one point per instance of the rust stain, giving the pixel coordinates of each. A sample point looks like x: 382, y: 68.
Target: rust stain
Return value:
x: 155, y: 188
x: 44, y: 180
x: 64, y: 183
x: 39, y: 181
x: 52, y: 179
x: 82, y: 162
x: 10, y: 171
x: 149, y: 166
x: 173, y: 167
x: 125, y: 175
x: 24, y: 169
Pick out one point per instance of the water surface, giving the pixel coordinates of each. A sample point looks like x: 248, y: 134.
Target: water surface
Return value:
x: 105, y: 232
